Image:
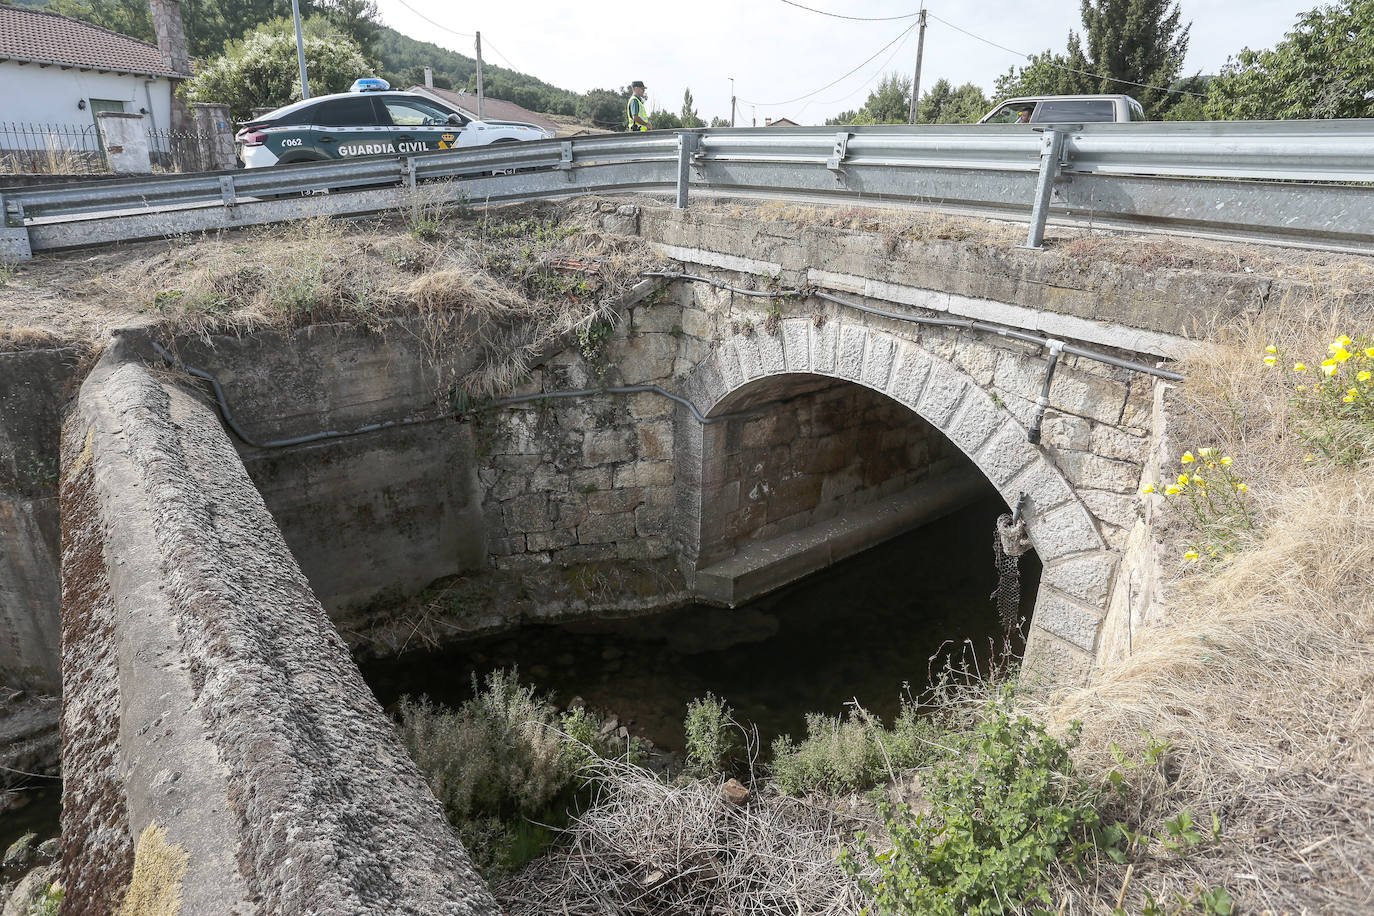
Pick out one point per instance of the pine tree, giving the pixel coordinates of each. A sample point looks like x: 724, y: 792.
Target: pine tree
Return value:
x: 689, y: 116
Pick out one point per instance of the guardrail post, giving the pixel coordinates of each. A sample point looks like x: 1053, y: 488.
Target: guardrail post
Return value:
x: 1051, y: 149
x: 226, y: 193
x: 14, y: 235
x: 686, y: 144
x: 565, y: 159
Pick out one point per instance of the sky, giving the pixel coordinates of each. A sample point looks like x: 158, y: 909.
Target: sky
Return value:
x: 782, y: 57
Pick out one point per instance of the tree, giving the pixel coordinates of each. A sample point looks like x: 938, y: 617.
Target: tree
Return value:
x: 358, y: 19
x: 890, y: 103
x: 1128, y: 46
x: 1321, y: 69
x: 664, y: 120
x: 689, y: 116
x: 604, y: 108
x: 718, y: 121
x: 945, y: 104
x: 260, y: 71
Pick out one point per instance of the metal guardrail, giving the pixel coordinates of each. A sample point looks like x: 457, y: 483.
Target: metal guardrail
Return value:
x: 1297, y: 182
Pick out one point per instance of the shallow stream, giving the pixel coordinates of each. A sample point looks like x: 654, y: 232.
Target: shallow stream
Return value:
x: 866, y: 629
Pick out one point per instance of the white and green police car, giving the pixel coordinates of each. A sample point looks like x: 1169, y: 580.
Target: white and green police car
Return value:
x: 368, y: 120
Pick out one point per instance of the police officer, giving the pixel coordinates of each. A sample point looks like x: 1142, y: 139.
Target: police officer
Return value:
x: 636, y: 109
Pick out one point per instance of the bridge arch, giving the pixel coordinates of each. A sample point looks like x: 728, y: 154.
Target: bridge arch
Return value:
x: 1079, y: 565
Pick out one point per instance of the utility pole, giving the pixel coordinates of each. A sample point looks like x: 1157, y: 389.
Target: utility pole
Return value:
x: 732, y: 101
x: 916, y: 81
x: 481, y: 96
x: 300, y: 48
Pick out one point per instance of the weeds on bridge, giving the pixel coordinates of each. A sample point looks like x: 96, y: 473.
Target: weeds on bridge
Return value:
x: 1332, y: 396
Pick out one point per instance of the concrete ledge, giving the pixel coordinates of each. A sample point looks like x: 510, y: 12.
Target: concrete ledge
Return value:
x: 208, y: 691
x: 759, y: 567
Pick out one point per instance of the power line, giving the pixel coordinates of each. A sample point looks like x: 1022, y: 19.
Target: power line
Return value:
x: 502, y: 56
x: 433, y: 23
x: 865, y: 84
x: 900, y: 35
x: 851, y: 18
x: 1100, y: 76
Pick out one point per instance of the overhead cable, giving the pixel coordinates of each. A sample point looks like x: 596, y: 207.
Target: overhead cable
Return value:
x: 808, y: 95
x: 852, y: 18
x: 1100, y: 76
x: 433, y: 23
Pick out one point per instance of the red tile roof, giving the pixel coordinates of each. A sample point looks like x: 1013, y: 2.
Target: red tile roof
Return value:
x: 42, y: 37
x: 493, y: 109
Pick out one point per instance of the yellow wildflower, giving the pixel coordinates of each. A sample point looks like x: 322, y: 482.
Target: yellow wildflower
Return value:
x: 1340, y: 354
x: 1148, y: 488
x: 1207, y: 452
x: 1172, y: 490
x: 1369, y: 351
x: 1301, y: 388
x: 1226, y: 462
x: 1271, y: 349
x: 1271, y: 361
x: 1362, y: 375
x: 1241, y: 487
x: 1309, y: 457
x: 1199, y: 481
x: 1187, y: 458
x: 1329, y: 366
x: 1300, y: 367
x: 1190, y: 555
x: 1183, y: 480
x: 1344, y: 340
x: 1349, y: 397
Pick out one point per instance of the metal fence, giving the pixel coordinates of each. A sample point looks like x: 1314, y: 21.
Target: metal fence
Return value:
x: 32, y: 148
x: 1298, y: 182
x: 180, y: 150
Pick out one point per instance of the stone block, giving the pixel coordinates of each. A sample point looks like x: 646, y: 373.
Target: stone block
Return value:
x: 606, y: 502
x: 550, y: 540
x: 505, y: 546
x: 656, y: 440
x: 644, y: 474
x: 747, y: 349
x: 606, y: 446
x: 909, y: 379
x: 605, y: 529
x: 796, y: 339
x: 878, y: 360
x: 698, y: 323
x: 945, y: 388
x: 727, y: 364
x: 527, y: 513
x: 976, y: 357
x: 849, y: 361
x: 1043, y: 484
x: 771, y: 356
x: 644, y: 548
x: 583, y: 553
x: 1064, y: 431
x: 1063, y: 531
x: 654, y: 521
x: 646, y: 358
x: 522, y: 561
x: 1052, y: 662
x: 656, y: 318
x: 585, y: 480
x: 977, y: 420
x: 824, y: 342
x: 1087, y: 577
x: 1119, y: 509
x: 1087, y: 470
x: 1006, y: 454
x: 839, y: 485
x: 1072, y: 622
x: 1121, y: 444
x: 659, y: 496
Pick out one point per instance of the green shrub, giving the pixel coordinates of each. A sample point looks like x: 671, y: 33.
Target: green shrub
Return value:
x: 711, y: 737
x: 850, y: 754
x: 1004, y: 808
x: 499, y: 761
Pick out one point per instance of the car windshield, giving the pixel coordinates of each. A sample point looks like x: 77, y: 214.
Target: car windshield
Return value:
x: 1075, y: 110
x: 1010, y: 113
x: 414, y: 112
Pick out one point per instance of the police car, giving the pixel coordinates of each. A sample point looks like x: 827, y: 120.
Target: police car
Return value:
x: 368, y: 120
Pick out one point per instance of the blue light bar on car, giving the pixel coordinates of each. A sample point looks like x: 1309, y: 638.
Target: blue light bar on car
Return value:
x: 369, y: 84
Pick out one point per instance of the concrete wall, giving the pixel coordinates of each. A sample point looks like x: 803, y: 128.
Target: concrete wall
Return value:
x: 208, y: 692
x: 49, y: 95
x: 32, y: 399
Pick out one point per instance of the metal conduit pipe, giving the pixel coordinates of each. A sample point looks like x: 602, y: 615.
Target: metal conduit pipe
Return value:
x: 238, y: 431
x: 762, y: 293
x: 1043, y: 401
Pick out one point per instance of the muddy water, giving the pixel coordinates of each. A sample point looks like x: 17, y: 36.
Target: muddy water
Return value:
x: 865, y: 629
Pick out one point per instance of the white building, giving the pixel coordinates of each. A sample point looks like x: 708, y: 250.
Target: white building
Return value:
x: 57, y: 73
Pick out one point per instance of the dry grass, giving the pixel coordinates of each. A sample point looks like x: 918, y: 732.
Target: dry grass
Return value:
x: 159, y: 870
x: 653, y: 848
x: 1261, y: 679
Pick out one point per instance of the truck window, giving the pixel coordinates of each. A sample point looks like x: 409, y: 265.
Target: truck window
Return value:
x: 1075, y: 110
x: 1008, y: 114
x: 1137, y: 112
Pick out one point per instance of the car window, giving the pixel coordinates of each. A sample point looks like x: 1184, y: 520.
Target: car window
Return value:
x: 1137, y: 112
x: 414, y: 112
x: 1075, y: 110
x: 1007, y: 114
x: 355, y: 112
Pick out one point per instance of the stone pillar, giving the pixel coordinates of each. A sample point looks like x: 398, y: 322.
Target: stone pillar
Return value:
x: 429, y: 77
x: 126, y: 142
x: 217, y: 135
x: 171, y: 41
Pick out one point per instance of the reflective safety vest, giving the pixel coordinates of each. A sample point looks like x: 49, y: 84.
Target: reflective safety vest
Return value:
x: 635, y: 106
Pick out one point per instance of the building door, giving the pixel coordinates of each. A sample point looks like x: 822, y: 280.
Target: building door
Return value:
x: 97, y: 106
